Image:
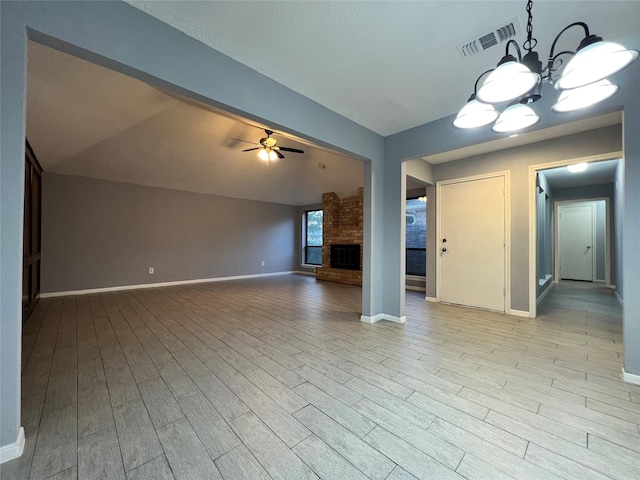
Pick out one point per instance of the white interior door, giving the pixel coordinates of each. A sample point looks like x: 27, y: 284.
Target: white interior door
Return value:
x: 472, y: 243
x: 575, y: 241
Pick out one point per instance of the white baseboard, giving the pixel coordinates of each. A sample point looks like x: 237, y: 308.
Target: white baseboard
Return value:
x: 431, y: 299
x: 545, y: 293
x: 160, y: 284
x: 382, y: 316
x: 413, y: 287
x: 630, y: 377
x: 13, y: 450
x: 519, y: 313
x: 620, y: 299
x: 302, y: 272
x: 611, y: 286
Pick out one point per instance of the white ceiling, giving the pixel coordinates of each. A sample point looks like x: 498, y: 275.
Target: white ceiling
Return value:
x: 386, y: 65
x: 596, y: 174
x: 86, y: 120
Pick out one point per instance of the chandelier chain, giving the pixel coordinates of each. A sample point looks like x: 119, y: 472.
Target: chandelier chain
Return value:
x: 531, y: 42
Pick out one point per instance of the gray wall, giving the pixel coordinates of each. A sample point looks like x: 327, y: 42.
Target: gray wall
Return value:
x: 517, y: 161
x: 99, y: 234
x: 618, y: 222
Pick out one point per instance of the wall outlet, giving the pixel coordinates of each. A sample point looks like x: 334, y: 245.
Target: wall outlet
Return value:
x: 262, y: 263
x: 151, y: 270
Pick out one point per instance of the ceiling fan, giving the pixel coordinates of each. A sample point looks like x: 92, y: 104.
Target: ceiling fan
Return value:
x: 267, y: 149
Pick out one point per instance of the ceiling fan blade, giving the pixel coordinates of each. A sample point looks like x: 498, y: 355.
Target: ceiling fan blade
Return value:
x: 279, y: 154
x: 246, y: 141
x: 294, y: 150
x: 249, y: 149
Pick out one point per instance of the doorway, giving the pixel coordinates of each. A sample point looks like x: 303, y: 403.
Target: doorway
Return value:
x: 579, y: 252
x: 472, y: 239
x: 589, y: 198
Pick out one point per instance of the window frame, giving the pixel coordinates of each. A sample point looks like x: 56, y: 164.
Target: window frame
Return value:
x: 308, y: 248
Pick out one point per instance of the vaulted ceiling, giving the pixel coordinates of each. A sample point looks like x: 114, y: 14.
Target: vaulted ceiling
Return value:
x: 387, y: 65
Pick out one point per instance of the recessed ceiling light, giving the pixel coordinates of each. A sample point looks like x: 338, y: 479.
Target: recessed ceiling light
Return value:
x: 577, y: 167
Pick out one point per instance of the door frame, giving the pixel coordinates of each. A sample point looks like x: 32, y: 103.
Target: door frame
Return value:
x: 506, y: 174
x: 556, y: 235
x: 533, y: 245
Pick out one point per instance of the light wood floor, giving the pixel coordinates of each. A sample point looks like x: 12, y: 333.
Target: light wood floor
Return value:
x: 277, y: 378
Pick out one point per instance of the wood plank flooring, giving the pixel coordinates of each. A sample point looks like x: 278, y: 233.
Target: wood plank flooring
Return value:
x: 277, y: 378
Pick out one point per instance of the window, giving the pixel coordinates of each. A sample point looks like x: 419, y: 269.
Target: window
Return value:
x: 416, y: 237
x: 313, y: 243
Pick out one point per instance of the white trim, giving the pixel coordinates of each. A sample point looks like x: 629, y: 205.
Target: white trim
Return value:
x: 431, y: 299
x: 416, y: 278
x: 160, y: 284
x: 13, y: 450
x: 302, y: 272
x: 619, y: 299
x: 506, y: 174
x: 415, y: 288
x: 518, y: 313
x: 533, y: 289
x: 383, y: 316
x: 630, y: 377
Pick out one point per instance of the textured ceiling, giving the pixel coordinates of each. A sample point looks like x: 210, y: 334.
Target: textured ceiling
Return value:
x: 386, y: 65
x: 86, y: 120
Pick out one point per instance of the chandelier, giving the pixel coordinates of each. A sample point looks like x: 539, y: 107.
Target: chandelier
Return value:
x: 517, y: 82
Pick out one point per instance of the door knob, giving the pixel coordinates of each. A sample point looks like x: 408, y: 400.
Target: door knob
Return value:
x: 444, y: 249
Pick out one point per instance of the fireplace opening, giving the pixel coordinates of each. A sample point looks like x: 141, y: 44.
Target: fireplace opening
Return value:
x: 346, y: 257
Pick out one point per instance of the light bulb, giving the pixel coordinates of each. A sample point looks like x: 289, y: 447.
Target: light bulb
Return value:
x: 578, y: 167
x: 263, y: 154
x: 272, y: 155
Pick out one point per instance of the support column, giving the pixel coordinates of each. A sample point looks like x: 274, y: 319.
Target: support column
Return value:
x: 12, y: 101
x: 630, y: 236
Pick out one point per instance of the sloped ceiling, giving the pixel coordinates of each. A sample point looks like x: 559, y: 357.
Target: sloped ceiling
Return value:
x: 83, y: 119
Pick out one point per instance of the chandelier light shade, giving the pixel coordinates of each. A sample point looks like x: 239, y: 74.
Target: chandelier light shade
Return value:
x: 475, y: 114
x: 510, y: 80
x: 583, y: 97
x: 583, y: 80
x: 516, y: 117
x: 595, y: 62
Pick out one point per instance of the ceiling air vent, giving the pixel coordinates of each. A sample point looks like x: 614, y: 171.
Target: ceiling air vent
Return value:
x: 496, y: 36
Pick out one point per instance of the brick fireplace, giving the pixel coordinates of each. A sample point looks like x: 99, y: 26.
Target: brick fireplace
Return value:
x: 342, y: 229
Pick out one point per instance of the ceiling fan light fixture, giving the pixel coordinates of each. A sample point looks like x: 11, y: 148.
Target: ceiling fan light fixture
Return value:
x: 475, y: 114
x: 515, y: 117
x: 509, y: 81
x: 267, y: 154
x: 583, y: 97
x: 595, y: 60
